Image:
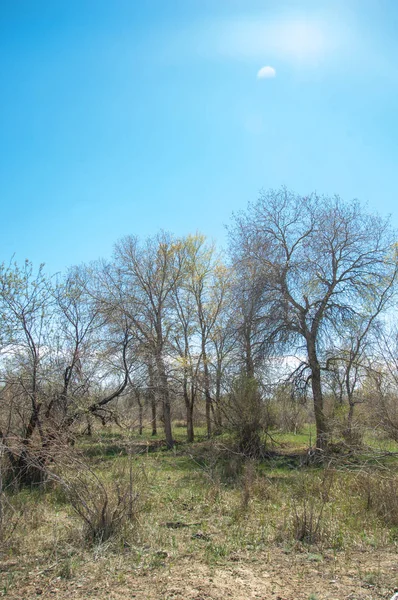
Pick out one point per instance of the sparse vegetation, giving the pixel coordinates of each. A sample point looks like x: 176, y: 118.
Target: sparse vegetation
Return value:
x: 245, y: 466
x: 151, y: 508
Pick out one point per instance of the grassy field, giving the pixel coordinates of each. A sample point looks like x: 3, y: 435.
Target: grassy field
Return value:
x: 126, y: 514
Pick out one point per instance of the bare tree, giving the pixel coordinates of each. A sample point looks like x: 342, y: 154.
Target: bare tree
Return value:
x: 206, y: 279
x: 350, y: 358
x: 187, y: 353
x: 26, y: 309
x: 381, y: 384
x: 79, y: 322
x: 65, y: 356
x: 249, y: 312
x: 325, y: 264
x: 118, y: 352
x: 225, y: 355
x: 147, y: 276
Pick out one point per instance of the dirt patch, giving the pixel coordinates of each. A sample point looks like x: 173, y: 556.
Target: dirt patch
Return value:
x: 276, y: 574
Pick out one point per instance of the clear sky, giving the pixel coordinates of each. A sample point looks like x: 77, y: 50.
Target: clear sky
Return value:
x: 126, y: 116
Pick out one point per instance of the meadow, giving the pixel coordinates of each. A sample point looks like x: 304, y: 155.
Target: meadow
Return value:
x: 121, y: 516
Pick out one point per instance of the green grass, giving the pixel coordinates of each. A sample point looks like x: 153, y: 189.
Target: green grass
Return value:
x: 299, y: 441
x: 206, y: 501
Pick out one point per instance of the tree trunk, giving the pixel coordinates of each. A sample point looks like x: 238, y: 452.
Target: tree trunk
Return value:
x: 189, y: 409
x: 350, y: 418
x: 207, y: 389
x: 351, y: 404
x: 163, y: 388
x: 350, y: 415
x: 247, y: 335
x: 140, y: 412
x: 208, y: 414
x: 153, y: 408
x: 152, y: 397
x: 316, y: 384
x: 217, y: 408
x: 249, y: 360
x: 190, y: 430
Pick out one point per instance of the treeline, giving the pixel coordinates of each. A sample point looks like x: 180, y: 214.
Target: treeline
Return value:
x: 170, y: 318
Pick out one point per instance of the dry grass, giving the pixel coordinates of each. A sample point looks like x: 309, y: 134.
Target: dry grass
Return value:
x: 147, y: 512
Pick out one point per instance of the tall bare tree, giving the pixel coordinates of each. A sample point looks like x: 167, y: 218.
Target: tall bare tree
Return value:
x: 206, y: 279
x: 187, y: 351
x: 26, y: 306
x: 148, y: 274
x: 325, y: 264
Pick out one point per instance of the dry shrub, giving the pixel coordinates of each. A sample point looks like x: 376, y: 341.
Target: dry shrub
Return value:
x: 311, y: 495
x: 245, y: 415
x: 386, y: 414
x: 10, y: 518
x: 248, y: 477
x: 350, y: 433
x: 307, y: 521
x: 12, y: 513
x: 264, y: 490
x: 26, y: 462
x: 24, y: 466
x: 255, y: 487
x: 228, y: 469
x: 103, y: 506
x: 354, y: 434
x: 380, y: 494
x: 316, y: 485
x: 289, y: 413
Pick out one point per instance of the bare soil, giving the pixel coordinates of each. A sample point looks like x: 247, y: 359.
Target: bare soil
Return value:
x: 275, y: 574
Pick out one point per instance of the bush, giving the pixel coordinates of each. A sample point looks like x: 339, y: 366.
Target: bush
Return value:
x: 311, y: 495
x: 289, y: 413
x: 245, y: 415
x: 381, y: 496
x: 386, y: 414
x: 103, y: 506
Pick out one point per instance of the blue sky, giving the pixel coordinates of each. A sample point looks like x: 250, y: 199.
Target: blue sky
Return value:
x: 125, y: 117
